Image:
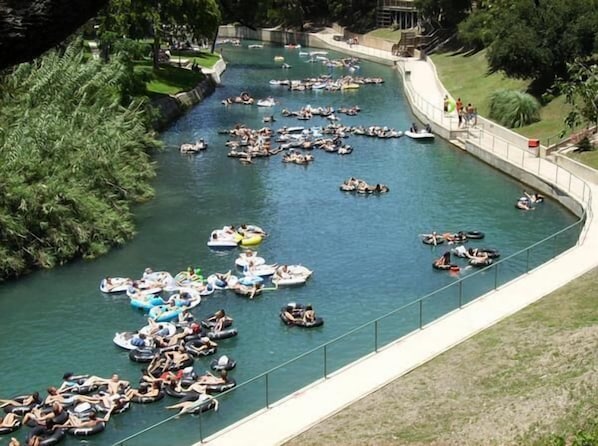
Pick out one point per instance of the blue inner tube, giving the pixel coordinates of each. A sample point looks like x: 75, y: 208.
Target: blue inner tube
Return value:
x: 474, y: 235
x: 87, y: 431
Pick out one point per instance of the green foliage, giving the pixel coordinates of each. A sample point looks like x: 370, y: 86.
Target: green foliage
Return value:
x: 477, y: 30
x: 584, y: 145
x: 133, y: 49
x: 444, y: 13
x: 535, y: 39
x: 160, y: 19
x: 513, y: 108
x: 581, y: 92
x: 73, y: 159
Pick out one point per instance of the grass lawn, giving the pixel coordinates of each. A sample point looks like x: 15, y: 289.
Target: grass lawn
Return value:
x: 467, y: 77
x: 205, y: 60
x: 391, y: 34
x: 529, y: 380
x: 168, y: 79
x: 587, y: 158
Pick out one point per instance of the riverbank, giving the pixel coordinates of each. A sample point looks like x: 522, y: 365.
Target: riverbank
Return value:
x: 172, y: 107
x: 529, y: 379
x: 487, y: 141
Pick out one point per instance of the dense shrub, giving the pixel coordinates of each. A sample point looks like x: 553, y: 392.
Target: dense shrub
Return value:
x: 513, y: 108
x: 73, y: 159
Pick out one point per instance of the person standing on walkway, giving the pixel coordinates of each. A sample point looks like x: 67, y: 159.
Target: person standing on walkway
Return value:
x: 445, y: 103
x: 459, y: 105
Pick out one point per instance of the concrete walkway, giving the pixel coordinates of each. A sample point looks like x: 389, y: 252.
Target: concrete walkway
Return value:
x: 311, y: 405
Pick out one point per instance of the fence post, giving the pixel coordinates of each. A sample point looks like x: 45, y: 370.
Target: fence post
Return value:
x: 267, y: 396
x: 376, y: 335
x: 200, y: 427
x: 420, y: 313
x: 527, y: 262
x: 325, y: 362
x: 495, y: 276
x: 460, y: 293
x: 556, y: 181
x: 555, y: 245
x: 570, y: 176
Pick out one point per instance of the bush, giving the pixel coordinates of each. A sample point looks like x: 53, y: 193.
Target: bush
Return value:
x: 133, y: 49
x: 513, y: 108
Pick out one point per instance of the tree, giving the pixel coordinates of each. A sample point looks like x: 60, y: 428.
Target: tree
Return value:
x: 536, y: 38
x: 581, y: 92
x: 158, y: 18
x: 444, y: 13
x: 30, y: 27
x: 73, y: 160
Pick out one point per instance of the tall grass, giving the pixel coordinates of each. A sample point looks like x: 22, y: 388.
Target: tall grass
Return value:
x: 513, y: 108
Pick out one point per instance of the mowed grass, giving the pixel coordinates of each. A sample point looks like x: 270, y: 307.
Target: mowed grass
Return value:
x: 167, y: 79
x: 391, y: 34
x: 467, y: 77
x: 529, y: 380
x: 203, y: 59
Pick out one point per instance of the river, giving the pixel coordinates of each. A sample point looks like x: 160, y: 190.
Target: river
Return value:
x: 365, y: 251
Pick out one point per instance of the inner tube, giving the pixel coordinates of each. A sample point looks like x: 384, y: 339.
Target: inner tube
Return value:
x: 142, y: 354
x: 223, y: 334
x: 87, y: 431
x: 219, y: 388
x: 10, y: 429
x: 317, y: 322
x: 203, y: 407
x: 47, y: 437
x: 171, y: 391
x: 451, y: 106
x: 19, y: 409
x: 487, y: 262
x: 429, y: 241
x: 443, y: 267
x: 193, y: 348
x: 211, y: 323
x: 219, y: 364
x: 144, y: 399
x: 492, y: 253
x: 474, y: 235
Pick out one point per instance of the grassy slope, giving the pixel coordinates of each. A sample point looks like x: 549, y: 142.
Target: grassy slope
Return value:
x: 467, y: 77
x: 386, y: 34
x: 206, y: 60
x: 520, y: 382
x: 168, y: 79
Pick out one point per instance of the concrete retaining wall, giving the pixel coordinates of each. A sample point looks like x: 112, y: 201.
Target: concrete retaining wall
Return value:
x: 284, y: 37
x: 536, y: 183
x: 581, y: 170
x: 172, y: 107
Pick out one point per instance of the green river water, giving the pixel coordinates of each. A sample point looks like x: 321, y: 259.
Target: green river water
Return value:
x: 364, y: 250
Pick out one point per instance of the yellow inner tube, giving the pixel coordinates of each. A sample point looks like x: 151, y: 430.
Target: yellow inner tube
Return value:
x: 251, y: 241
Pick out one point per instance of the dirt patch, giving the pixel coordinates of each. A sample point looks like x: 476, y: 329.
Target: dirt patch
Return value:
x: 530, y: 376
